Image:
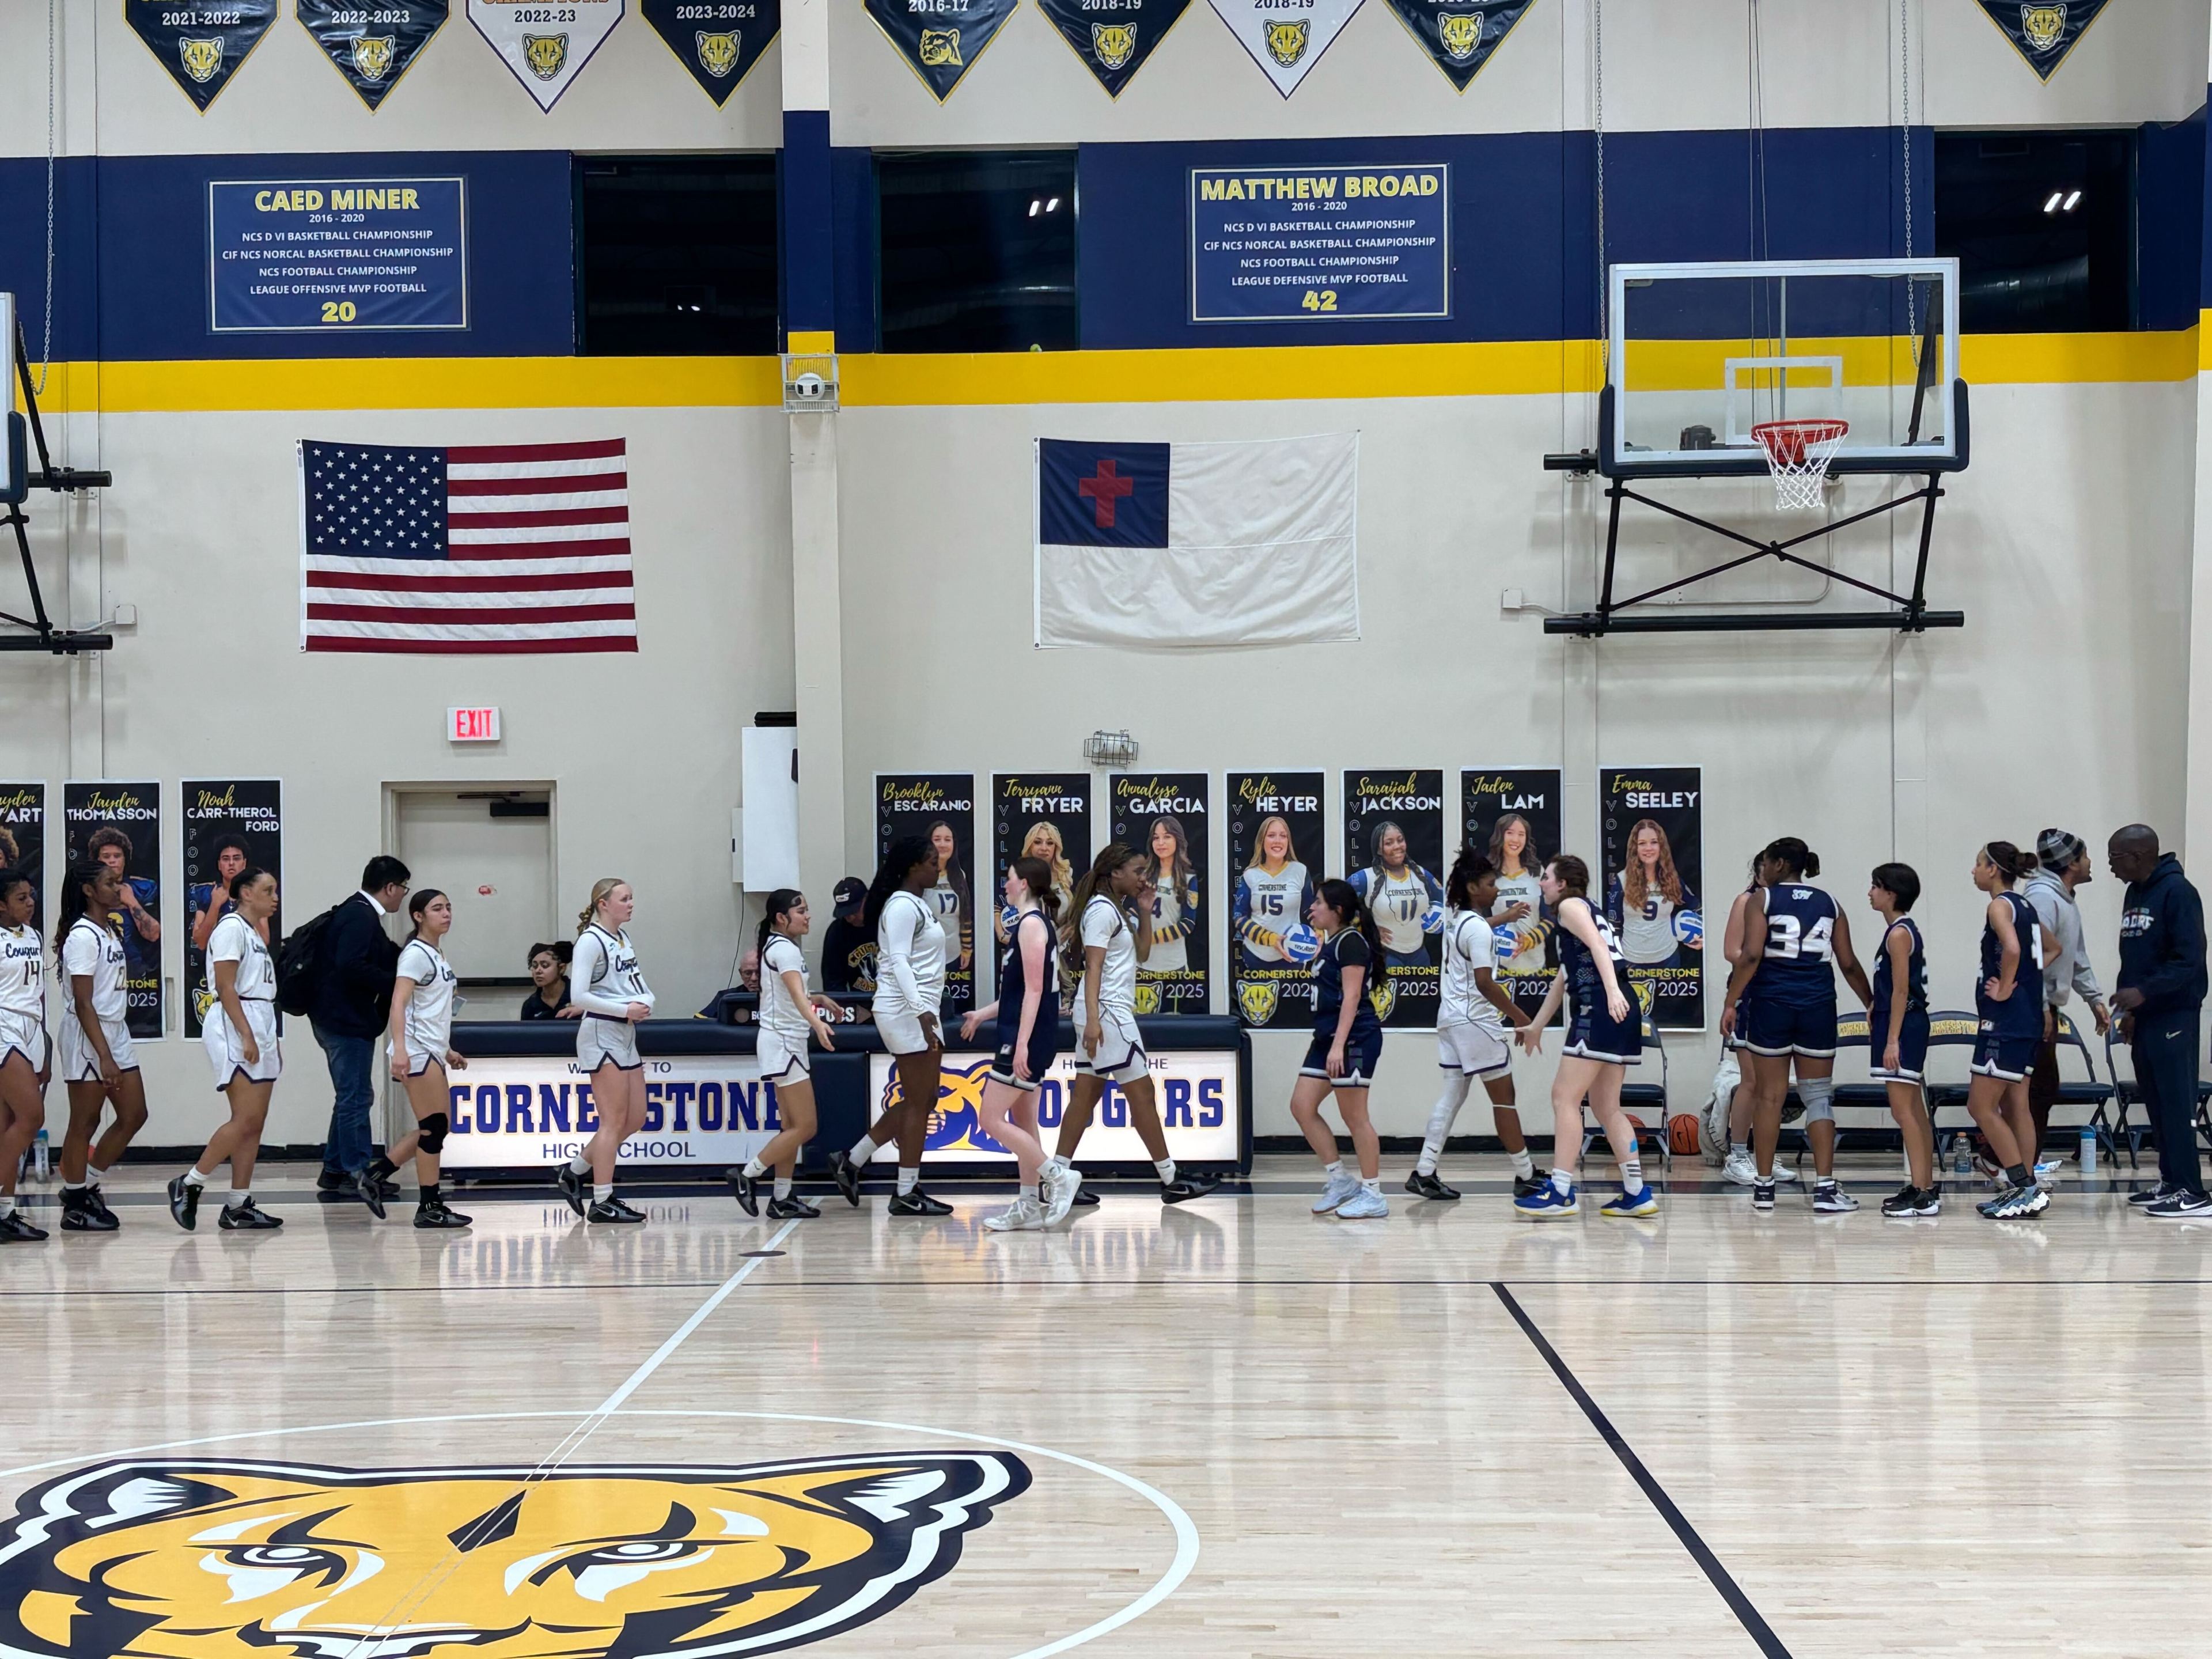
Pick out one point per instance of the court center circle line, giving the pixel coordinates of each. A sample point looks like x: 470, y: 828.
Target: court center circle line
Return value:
x: 1185, y: 1529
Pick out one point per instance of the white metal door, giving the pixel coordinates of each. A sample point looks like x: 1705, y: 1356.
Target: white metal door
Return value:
x: 499, y: 873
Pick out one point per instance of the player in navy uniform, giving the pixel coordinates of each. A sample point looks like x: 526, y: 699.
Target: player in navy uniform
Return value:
x: 1028, y: 1016
x: 1605, y: 1036
x: 1347, y: 1043
x: 2009, y: 998
x: 1741, y: 1169
x: 1781, y: 1002
x: 1896, y: 1035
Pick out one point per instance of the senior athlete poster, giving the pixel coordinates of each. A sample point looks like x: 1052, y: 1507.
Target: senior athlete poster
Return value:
x: 1044, y: 815
x: 120, y: 824
x: 1162, y: 816
x: 940, y: 807
x: 23, y: 840
x: 1652, y: 834
x: 228, y: 824
x: 1277, y: 857
x: 1394, y: 845
x: 1511, y: 815
x: 202, y: 45
x: 373, y: 44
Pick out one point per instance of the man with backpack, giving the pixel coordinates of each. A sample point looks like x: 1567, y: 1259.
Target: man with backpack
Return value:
x: 347, y: 963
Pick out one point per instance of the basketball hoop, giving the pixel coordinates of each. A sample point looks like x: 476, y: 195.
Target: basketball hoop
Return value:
x: 1798, y: 452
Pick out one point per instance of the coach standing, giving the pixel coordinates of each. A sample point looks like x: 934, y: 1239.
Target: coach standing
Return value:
x: 2160, y: 1000
x: 354, y: 968
x: 2065, y: 861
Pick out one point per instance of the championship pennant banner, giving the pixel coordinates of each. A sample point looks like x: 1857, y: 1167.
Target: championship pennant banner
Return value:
x: 23, y: 840
x: 1044, y: 815
x: 1276, y: 850
x: 1286, y: 43
x: 1511, y: 815
x: 718, y: 40
x: 120, y: 824
x: 1162, y: 816
x: 201, y: 44
x: 1197, y: 1089
x: 1652, y: 831
x: 941, y: 40
x: 1114, y: 36
x: 1394, y: 843
x: 228, y: 824
x: 546, y: 46
x: 2044, y: 34
x: 1459, y: 38
x: 372, y: 42
x: 940, y: 806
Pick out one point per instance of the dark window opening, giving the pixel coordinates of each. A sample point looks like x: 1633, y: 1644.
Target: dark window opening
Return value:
x: 676, y: 256
x: 976, y: 250
x: 2043, y: 225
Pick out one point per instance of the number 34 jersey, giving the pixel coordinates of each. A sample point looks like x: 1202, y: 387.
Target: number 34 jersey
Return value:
x: 1799, y: 965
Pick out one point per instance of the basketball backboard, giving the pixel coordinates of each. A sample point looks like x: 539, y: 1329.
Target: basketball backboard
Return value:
x: 1699, y: 354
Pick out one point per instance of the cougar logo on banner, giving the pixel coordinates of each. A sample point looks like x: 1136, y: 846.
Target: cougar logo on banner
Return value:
x: 203, y: 58
x: 718, y: 53
x: 2043, y: 26
x: 217, y: 1556
x: 1147, y: 999
x: 372, y: 56
x: 1286, y: 49
x: 546, y: 65
x: 940, y: 48
x: 2044, y: 32
x: 719, y: 58
x: 1113, y: 43
x: 1113, y: 38
x: 372, y: 63
x: 1460, y: 42
x: 1286, y: 42
x: 1256, y: 999
x: 940, y: 56
x: 1384, y: 996
x: 545, y: 54
x: 202, y: 48
x: 1461, y: 33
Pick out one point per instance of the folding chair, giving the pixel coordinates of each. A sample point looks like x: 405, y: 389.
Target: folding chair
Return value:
x: 2122, y: 1090
x: 1946, y: 1029
x: 1651, y: 1096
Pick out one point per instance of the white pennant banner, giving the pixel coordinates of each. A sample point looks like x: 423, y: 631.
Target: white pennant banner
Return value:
x: 1285, y: 38
x: 545, y: 45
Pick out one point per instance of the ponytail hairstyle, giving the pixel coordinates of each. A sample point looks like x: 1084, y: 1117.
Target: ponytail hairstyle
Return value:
x: 1573, y: 875
x: 2011, y: 862
x: 1468, y: 868
x: 906, y: 852
x: 1343, y: 897
x: 778, y: 905
x: 76, y: 902
x: 1093, y: 883
x: 417, y: 902
x: 1036, y: 875
x: 600, y: 889
x: 1794, y: 856
x: 244, y: 880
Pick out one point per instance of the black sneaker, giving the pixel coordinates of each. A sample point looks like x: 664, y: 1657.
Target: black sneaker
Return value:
x: 96, y: 1201
x: 1427, y: 1186
x: 1085, y: 1196
x: 1762, y: 1194
x: 369, y: 1186
x: 247, y: 1217
x: 793, y: 1208
x: 83, y: 1212
x: 1181, y: 1189
x: 612, y: 1209
x: 747, y: 1189
x: 15, y: 1229
x: 185, y: 1202
x: 2157, y: 1194
x: 568, y: 1181
x: 1909, y: 1202
x: 846, y: 1175
x: 2016, y: 1203
x: 1524, y: 1185
x: 433, y: 1212
x: 2180, y: 1206
x: 918, y: 1202
x: 335, y: 1180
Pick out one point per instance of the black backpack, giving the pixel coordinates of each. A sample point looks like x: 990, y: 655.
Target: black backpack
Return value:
x: 298, y: 964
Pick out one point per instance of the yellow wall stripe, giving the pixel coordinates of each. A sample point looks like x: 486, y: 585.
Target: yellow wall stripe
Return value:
x: 1248, y: 374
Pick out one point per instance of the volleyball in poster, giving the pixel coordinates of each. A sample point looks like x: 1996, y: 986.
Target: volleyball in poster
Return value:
x: 1651, y: 822
x: 1162, y: 816
x: 1511, y: 815
x: 940, y: 807
x: 1276, y: 859
x: 1394, y: 849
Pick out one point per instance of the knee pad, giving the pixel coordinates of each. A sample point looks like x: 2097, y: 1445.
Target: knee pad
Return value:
x: 432, y: 1132
x: 1818, y: 1094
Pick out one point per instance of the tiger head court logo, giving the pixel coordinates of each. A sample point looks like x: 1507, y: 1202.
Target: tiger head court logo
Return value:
x: 1460, y: 32
x: 939, y: 48
x: 718, y: 53
x: 1114, y: 43
x: 222, y: 1558
x: 372, y: 56
x: 545, y: 54
x: 1286, y: 42
x: 202, y: 58
x: 2044, y: 25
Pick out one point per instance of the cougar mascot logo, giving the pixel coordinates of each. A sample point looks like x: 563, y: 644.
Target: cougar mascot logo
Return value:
x: 545, y: 54
x: 1113, y: 43
x: 2042, y: 25
x: 372, y: 56
x: 212, y: 1558
x: 956, y: 1121
x: 1256, y: 999
x: 1383, y: 997
x: 1148, y: 995
x: 1286, y: 42
x: 940, y: 47
x: 203, y: 59
x: 1460, y: 32
x: 718, y: 53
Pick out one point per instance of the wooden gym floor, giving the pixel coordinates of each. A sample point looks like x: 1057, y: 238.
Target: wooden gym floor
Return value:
x: 1228, y: 1429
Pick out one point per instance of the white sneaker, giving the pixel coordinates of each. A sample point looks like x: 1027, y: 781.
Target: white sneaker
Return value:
x: 1024, y: 1215
x: 1786, y: 1173
x: 1363, y: 1206
x: 1341, y: 1187
x: 1741, y: 1169
x: 1062, y: 1187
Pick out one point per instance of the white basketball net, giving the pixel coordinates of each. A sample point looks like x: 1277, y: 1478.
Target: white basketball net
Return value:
x: 1798, y: 452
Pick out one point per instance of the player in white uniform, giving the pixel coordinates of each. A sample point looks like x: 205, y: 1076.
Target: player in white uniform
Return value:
x: 1406, y: 901
x: 949, y: 899
x: 1173, y: 883
x: 910, y: 950
x: 26, y: 1057
x: 1518, y: 917
x: 420, y: 1039
x: 98, y: 1061
x: 1472, y: 1015
x: 1105, y: 942
x: 1273, y: 894
x: 790, y: 1016
x: 240, y: 1035
x: 610, y: 996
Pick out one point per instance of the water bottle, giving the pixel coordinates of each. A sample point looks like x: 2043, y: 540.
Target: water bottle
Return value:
x: 1962, y: 1157
x: 42, y: 1156
x: 2088, y: 1149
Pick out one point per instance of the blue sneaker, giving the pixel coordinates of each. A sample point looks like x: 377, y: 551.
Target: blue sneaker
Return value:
x: 1363, y: 1206
x: 1341, y: 1187
x: 1547, y: 1205
x: 1641, y: 1201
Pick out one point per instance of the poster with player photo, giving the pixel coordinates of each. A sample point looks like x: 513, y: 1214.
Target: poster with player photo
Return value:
x: 1044, y: 815
x: 1652, y: 836
x: 120, y: 824
x: 228, y: 824
x: 1162, y: 816
x: 1393, y: 847
x: 1276, y: 856
x: 1511, y: 815
x: 23, y: 840
x: 940, y: 807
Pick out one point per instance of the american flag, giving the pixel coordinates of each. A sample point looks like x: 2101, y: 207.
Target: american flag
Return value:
x: 478, y: 549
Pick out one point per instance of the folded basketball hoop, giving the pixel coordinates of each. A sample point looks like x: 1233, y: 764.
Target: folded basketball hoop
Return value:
x: 1798, y: 452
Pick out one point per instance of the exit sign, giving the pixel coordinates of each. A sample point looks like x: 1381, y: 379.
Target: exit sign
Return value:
x: 472, y: 726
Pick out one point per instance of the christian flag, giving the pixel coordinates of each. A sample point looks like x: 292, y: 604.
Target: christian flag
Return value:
x: 1173, y: 546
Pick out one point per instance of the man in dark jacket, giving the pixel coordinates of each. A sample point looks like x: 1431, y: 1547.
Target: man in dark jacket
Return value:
x: 2161, y: 1002
x: 354, y: 966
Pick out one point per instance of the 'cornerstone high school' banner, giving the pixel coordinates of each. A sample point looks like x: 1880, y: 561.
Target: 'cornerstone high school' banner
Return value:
x: 525, y: 1111
x: 1162, y: 816
x: 23, y: 840
x: 1510, y: 816
x: 228, y: 824
x: 1653, y: 835
x: 940, y: 806
x: 1276, y: 855
x: 1393, y: 842
x: 120, y: 824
